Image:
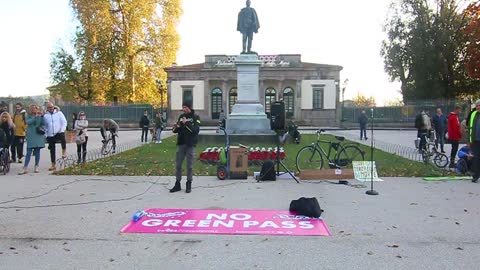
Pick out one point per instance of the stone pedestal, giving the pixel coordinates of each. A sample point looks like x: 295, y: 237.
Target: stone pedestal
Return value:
x: 248, y: 114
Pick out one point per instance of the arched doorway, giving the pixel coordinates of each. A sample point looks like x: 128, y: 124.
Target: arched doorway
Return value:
x: 216, y: 103
x: 270, y: 97
x: 289, y: 99
x: 232, y: 98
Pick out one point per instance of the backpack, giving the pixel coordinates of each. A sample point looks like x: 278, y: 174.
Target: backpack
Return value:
x: 418, y: 121
x: 268, y: 171
x: 306, y: 207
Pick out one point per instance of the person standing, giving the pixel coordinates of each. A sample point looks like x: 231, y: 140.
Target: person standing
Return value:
x: 74, y: 119
x: 144, y: 125
x: 158, y: 127
x: 454, y: 133
x: 80, y: 128
x: 363, y: 120
x: 35, y: 140
x: 187, y: 129
x: 19, y: 119
x: 423, y: 125
x: 474, y: 140
x: 55, y: 124
x: 8, y: 127
x: 439, y: 121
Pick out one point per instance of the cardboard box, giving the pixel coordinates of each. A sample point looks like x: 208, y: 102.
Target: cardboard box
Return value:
x: 238, y: 159
x: 330, y: 174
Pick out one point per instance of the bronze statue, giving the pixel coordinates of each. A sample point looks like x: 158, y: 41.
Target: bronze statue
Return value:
x: 247, y: 25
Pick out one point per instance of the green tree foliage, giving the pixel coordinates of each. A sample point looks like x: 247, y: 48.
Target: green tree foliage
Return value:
x: 424, y: 47
x: 120, y: 49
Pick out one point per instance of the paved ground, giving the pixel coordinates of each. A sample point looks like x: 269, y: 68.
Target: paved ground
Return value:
x: 73, y: 222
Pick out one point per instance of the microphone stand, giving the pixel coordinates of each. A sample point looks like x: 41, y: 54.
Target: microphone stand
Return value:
x: 371, y: 191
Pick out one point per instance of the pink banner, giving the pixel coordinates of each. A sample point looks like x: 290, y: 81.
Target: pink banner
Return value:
x: 200, y: 221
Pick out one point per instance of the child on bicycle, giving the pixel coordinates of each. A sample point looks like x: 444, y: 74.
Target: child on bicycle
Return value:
x: 112, y: 126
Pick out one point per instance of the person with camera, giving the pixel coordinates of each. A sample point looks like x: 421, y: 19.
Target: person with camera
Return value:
x: 187, y: 129
x: 35, y: 137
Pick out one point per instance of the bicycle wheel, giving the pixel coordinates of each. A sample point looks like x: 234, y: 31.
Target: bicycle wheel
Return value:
x: 106, y: 148
x: 440, y: 160
x: 2, y: 164
x: 7, y: 163
x: 348, y: 154
x: 309, y: 158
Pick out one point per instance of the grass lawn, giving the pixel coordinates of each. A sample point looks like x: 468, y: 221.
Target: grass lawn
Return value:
x: 159, y: 159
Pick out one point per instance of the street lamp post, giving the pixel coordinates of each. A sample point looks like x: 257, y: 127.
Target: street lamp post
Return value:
x: 343, y: 97
x: 161, y: 90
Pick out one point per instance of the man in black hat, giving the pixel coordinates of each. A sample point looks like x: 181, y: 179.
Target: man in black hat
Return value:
x: 187, y: 128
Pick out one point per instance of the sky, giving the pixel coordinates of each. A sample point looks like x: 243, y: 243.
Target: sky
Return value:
x: 343, y: 32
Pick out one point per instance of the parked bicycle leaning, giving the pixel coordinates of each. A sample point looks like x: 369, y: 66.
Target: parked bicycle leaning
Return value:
x: 337, y: 154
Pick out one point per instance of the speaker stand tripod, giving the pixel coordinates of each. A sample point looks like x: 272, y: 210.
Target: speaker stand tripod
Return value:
x: 278, y: 162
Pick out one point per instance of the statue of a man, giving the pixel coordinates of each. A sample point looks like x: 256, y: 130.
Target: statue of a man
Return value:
x: 247, y: 25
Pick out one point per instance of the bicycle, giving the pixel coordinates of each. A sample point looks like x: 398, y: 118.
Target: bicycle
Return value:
x: 311, y: 156
x: 430, y: 152
x: 107, y: 145
x: 65, y: 162
x: 5, y: 160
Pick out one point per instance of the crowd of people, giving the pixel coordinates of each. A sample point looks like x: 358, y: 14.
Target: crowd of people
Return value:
x: 450, y: 129
x: 34, y: 128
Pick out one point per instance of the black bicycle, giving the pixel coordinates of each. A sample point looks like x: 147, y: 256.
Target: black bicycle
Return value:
x: 430, y: 152
x: 108, y: 146
x: 5, y: 160
x: 312, y: 156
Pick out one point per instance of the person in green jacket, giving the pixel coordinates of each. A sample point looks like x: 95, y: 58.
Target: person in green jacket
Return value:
x: 35, y: 140
x: 474, y: 140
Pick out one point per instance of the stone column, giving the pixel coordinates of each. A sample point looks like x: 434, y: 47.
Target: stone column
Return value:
x: 225, y: 97
x: 248, y: 114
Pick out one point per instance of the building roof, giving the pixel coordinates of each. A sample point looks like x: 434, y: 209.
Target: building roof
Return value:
x: 282, y: 61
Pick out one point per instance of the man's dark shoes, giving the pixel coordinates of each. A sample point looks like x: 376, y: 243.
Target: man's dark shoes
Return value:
x: 475, y: 180
x: 189, y: 187
x: 176, y: 187
x: 452, y: 165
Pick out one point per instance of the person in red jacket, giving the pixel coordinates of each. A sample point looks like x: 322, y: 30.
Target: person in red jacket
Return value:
x: 454, y: 133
